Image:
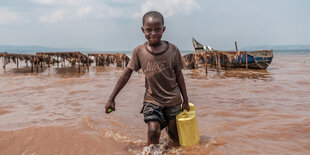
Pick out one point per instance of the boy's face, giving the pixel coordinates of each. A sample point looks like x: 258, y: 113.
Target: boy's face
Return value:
x: 153, y: 30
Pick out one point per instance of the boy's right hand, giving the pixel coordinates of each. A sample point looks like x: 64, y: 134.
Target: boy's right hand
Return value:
x: 109, y: 107
x: 185, y: 106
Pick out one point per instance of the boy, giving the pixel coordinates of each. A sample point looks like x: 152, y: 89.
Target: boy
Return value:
x: 161, y: 63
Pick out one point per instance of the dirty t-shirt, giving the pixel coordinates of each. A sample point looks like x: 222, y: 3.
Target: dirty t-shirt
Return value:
x: 159, y: 69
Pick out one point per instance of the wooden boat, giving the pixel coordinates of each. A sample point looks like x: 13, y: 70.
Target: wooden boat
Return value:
x: 230, y: 59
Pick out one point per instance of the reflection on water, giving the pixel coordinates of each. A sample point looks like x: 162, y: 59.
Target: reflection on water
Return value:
x: 232, y: 73
x: 24, y: 70
x: 60, y: 111
x: 60, y: 72
x: 69, y: 71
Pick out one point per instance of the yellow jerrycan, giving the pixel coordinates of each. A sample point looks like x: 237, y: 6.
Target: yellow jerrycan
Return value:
x: 187, y: 127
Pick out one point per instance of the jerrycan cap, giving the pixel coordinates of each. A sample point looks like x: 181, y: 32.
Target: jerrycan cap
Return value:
x: 184, y: 114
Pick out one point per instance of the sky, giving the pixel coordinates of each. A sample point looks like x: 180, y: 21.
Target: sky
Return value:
x: 116, y: 24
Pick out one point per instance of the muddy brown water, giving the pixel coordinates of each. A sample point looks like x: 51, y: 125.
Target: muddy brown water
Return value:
x: 60, y: 111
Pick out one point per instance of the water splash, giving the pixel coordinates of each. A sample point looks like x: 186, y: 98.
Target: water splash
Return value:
x: 153, y: 149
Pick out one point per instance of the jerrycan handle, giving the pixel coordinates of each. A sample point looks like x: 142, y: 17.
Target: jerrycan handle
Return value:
x: 191, y: 107
x: 185, y: 113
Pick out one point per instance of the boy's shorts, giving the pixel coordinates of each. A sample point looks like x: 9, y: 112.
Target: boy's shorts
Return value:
x: 162, y: 115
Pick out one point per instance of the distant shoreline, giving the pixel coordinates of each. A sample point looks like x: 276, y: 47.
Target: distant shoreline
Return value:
x: 33, y: 49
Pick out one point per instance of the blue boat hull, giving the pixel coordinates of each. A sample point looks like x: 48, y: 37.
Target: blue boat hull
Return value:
x: 256, y: 59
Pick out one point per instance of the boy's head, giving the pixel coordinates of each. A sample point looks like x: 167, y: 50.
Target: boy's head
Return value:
x: 153, y: 27
x: 153, y: 14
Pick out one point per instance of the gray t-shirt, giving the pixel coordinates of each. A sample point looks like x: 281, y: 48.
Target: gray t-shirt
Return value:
x: 159, y: 69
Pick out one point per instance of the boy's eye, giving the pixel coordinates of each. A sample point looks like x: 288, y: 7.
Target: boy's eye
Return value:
x: 149, y: 30
x: 158, y: 30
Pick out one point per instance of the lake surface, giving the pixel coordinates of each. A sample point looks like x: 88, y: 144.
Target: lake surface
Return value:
x: 59, y: 111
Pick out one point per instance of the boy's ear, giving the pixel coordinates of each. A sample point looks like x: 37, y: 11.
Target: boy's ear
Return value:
x: 142, y: 29
x: 164, y: 28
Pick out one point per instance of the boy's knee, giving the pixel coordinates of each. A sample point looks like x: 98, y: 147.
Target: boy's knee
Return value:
x: 154, y: 129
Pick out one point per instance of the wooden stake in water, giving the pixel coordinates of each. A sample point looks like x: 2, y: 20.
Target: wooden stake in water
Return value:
x: 246, y: 60
x: 236, y: 46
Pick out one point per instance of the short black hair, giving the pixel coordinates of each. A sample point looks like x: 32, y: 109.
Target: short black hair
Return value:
x: 153, y: 14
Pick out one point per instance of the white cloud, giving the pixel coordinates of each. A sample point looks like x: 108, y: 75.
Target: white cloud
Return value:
x: 73, y: 9
x: 43, y: 1
x: 59, y: 2
x: 7, y: 16
x: 168, y: 7
x: 106, y: 11
x: 54, y: 17
x: 83, y: 11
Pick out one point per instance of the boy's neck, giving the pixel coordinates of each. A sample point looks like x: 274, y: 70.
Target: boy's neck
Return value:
x: 157, y: 48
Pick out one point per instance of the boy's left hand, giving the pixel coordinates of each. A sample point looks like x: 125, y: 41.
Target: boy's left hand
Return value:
x: 110, y: 106
x: 185, y: 106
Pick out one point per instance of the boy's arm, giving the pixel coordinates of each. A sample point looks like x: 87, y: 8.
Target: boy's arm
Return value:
x: 118, y: 87
x: 181, y: 83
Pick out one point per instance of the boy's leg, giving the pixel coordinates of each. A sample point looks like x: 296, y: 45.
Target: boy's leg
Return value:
x: 170, y: 114
x: 155, y: 122
x: 153, y: 132
x: 172, y: 130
